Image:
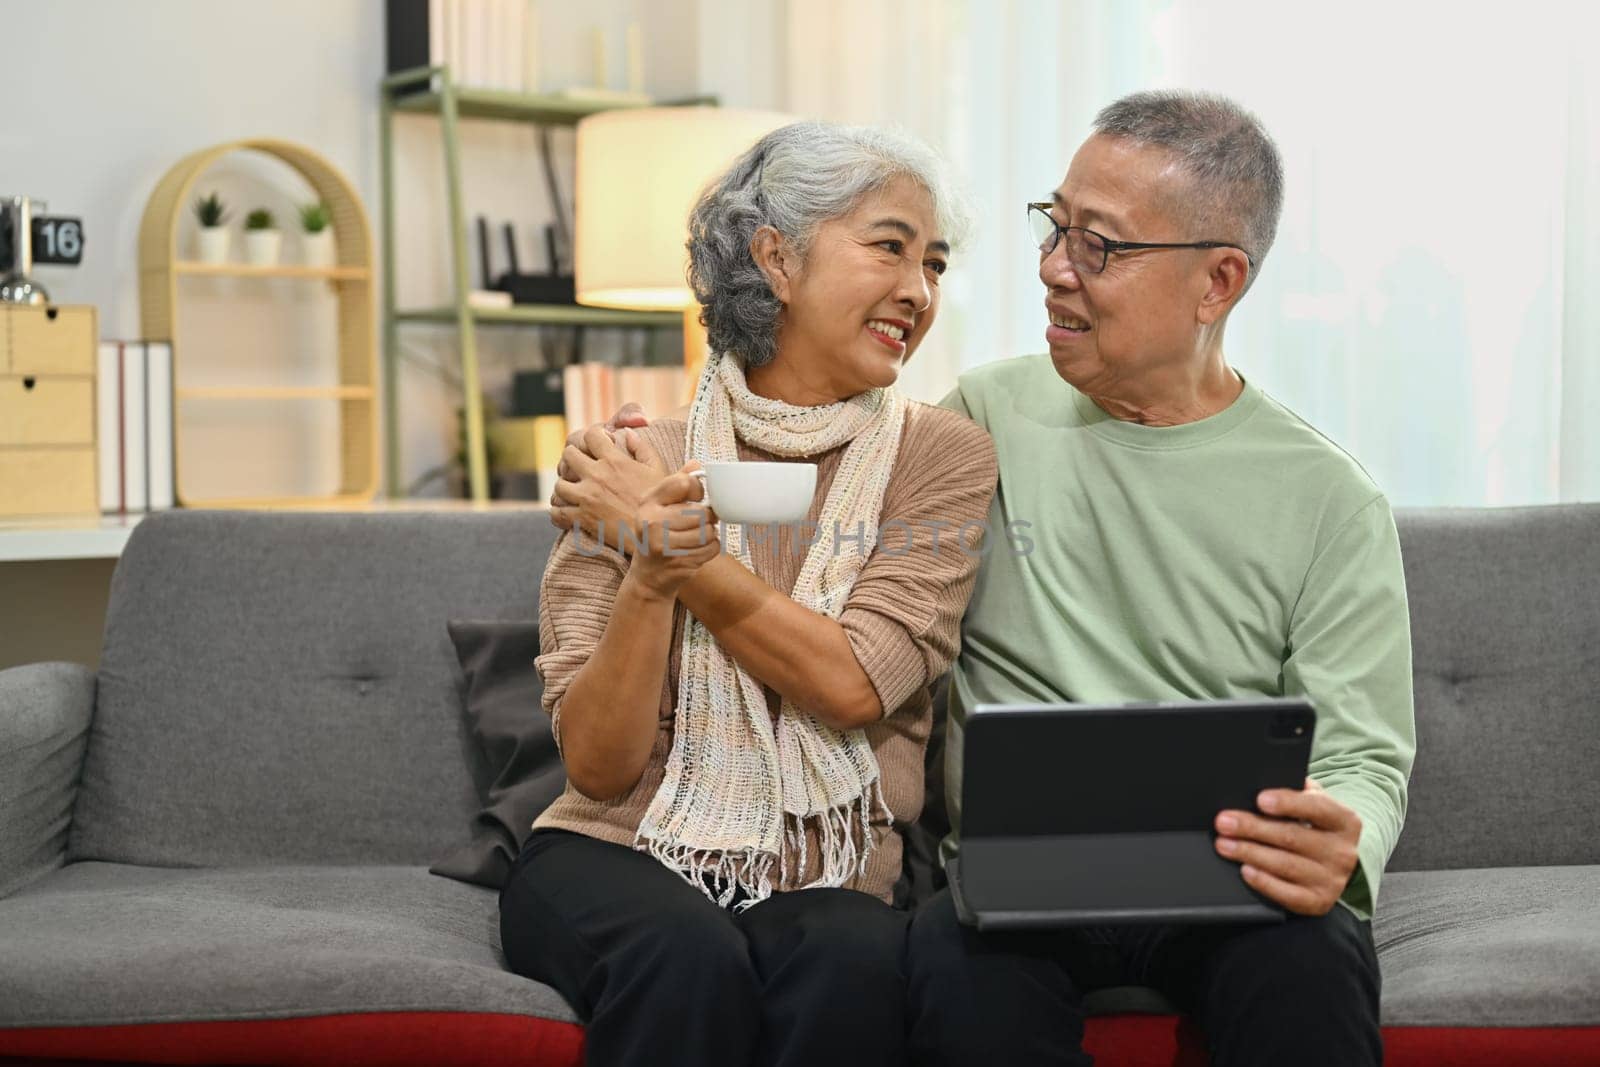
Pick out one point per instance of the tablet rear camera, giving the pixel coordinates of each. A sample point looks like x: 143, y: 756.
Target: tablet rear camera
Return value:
x: 1289, y: 726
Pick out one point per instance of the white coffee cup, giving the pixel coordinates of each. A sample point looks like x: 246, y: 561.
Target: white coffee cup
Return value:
x: 760, y: 493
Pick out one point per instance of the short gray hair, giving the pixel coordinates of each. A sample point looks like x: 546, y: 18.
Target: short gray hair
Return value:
x: 794, y: 179
x: 1234, y: 167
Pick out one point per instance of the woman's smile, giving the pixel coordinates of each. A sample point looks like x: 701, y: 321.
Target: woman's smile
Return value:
x: 889, y: 333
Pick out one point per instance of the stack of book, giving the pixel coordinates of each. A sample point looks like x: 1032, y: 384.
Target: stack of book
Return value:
x: 134, y: 383
x: 494, y: 44
x: 487, y: 44
x: 594, y: 391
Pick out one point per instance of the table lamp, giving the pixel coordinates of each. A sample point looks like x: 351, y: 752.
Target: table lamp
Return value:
x: 640, y: 171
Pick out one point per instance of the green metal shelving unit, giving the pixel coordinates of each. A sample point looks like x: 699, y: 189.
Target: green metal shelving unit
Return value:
x: 452, y: 104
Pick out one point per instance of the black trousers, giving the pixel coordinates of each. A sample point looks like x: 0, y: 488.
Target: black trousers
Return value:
x: 661, y: 975
x: 1304, y: 992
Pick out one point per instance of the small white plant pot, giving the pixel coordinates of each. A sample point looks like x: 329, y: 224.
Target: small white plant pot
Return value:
x: 212, y: 244
x: 261, y: 247
x: 317, y: 248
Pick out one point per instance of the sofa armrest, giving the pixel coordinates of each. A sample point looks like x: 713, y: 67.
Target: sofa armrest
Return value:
x: 45, y: 710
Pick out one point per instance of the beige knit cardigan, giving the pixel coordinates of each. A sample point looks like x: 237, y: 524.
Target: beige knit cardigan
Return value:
x: 902, y: 618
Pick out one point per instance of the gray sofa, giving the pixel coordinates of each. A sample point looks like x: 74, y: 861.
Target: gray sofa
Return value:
x: 217, y: 844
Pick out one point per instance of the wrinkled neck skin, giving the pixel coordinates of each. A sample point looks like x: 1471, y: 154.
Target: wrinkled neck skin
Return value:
x: 794, y: 381
x: 1171, y: 394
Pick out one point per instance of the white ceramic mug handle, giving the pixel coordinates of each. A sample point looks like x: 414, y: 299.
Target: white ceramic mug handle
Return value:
x: 705, y: 486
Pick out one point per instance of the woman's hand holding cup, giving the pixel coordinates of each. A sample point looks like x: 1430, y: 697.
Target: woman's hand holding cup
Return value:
x: 678, y: 533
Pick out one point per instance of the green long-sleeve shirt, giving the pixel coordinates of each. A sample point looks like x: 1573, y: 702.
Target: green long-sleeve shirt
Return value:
x: 1241, y: 555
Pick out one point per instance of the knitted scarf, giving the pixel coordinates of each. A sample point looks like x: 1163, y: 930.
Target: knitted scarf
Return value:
x: 740, y: 791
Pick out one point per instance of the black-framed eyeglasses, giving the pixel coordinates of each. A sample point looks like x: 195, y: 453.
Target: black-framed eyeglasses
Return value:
x: 1088, y: 251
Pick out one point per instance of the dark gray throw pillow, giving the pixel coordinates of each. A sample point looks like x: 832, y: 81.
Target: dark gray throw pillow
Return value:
x: 522, y: 767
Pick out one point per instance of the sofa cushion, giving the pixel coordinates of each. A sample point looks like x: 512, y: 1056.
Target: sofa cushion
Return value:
x: 1502, y: 947
x: 522, y: 767
x: 1505, y: 620
x: 280, y: 687
x: 106, y: 944
x: 45, y: 710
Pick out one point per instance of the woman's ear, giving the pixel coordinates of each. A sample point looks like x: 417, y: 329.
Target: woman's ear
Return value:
x: 769, y: 250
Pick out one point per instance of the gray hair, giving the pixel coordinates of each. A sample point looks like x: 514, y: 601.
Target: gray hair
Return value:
x: 1235, y: 172
x: 794, y: 179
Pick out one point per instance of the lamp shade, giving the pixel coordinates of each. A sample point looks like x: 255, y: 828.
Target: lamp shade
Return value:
x: 640, y: 171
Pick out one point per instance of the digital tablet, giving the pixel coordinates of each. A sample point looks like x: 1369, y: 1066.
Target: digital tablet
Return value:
x: 1090, y: 814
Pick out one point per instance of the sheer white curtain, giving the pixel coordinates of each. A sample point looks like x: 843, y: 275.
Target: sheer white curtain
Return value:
x: 1431, y: 300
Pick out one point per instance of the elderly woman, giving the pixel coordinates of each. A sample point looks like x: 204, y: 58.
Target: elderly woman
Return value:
x: 743, y: 718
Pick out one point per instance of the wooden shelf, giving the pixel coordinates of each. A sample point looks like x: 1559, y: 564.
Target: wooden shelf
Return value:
x: 276, y: 392
x: 433, y: 91
x: 161, y: 301
x: 245, y: 270
x: 554, y: 109
x: 546, y: 315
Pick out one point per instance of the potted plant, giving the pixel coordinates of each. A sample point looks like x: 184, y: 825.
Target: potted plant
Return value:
x: 492, y: 451
x: 316, y: 240
x: 261, y: 238
x: 454, y: 473
x: 213, y: 236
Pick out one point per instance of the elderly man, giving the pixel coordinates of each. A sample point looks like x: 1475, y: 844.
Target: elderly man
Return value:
x: 1195, y: 539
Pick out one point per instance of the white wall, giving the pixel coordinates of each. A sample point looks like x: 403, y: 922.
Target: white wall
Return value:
x: 117, y: 92
x: 105, y: 95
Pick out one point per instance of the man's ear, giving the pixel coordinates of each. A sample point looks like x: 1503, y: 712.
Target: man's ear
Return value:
x: 1225, y: 284
x: 772, y: 257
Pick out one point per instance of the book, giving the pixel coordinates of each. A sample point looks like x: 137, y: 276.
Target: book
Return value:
x: 597, y: 391
x: 414, y: 37
x: 455, y: 40
x: 135, y: 465
x: 572, y: 396
x: 512, y: 44
x: 438, y: 54
x: 108, y: 417
x: 134, y: 415
x: 592, y: 392
x: 487, y: 44
x: 530, y: 46
x: 490, y: 15
x: 473, y: 72
x: 158, y: 425
x: 492, y: 299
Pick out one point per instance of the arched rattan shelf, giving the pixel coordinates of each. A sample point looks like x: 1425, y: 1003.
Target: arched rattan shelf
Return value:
x: 351, y: 279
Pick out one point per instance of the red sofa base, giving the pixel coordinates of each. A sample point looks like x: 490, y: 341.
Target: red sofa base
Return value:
x: 1473, y: 1046
x: 447, y: 1039
x: 367, y: 1040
